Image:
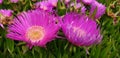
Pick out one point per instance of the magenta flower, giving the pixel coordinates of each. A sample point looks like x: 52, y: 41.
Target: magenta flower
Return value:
x: 98, y: 8
x: 44, y: 5
x: 83, y: 10
x: 4, y: 14
x: 47, y: 5
x: 88, y: 1
x: 80, y: 30
x: 66, y: 1
x: 53, y: 2
x: 14, y: 1
x: 35, y: 27
x: 1, y: 1
x: 77, y: 5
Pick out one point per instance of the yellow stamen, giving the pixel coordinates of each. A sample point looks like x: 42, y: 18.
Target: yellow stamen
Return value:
x: 35, y: 33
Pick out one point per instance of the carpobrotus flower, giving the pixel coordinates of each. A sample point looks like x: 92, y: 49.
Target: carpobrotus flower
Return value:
x: 80, y: 30
x: 47, y: 5
x: 83, y: 10
x: 44, y: 5
x: 88, y: 1
x: 6, y: 13
x: 14, y: 1
x: 53, y: 2
x: 66, y: 1
x: 79, y: 6
x: 5, y: 16
x: 1, y: 1
x: 98, y: 9
x: 35, y: 27
x: 76, y: 5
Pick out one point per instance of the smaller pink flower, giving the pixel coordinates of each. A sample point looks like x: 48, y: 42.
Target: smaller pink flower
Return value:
x: 83, y: 10
x: 14, y: 1
x: 44, y: 5
x: 77, y: 5
x: 98, y: 8
x: 67, y: 1
x: 53, y: 2
x: 4, y: 14
x: 80, y: 30
x: 1, y: 1
x: 88, y: 1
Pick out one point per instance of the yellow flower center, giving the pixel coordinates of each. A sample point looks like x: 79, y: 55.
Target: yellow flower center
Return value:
x: 35, y: 33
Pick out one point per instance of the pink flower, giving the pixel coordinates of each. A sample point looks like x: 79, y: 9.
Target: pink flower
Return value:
x: 44, y: 5
x: 83, y: 10
x: 77, y: 5
x: 80, y: 30
x: 86, y: 1
x: 4, y: 14
x: 98, y: 9
x: 35, y: 27
x: 53, y: 2
x: 14, y: 1
x: 1, y: 1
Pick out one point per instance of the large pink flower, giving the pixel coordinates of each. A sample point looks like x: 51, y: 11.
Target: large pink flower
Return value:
x: 35, y: 27
x: 80, y: 30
